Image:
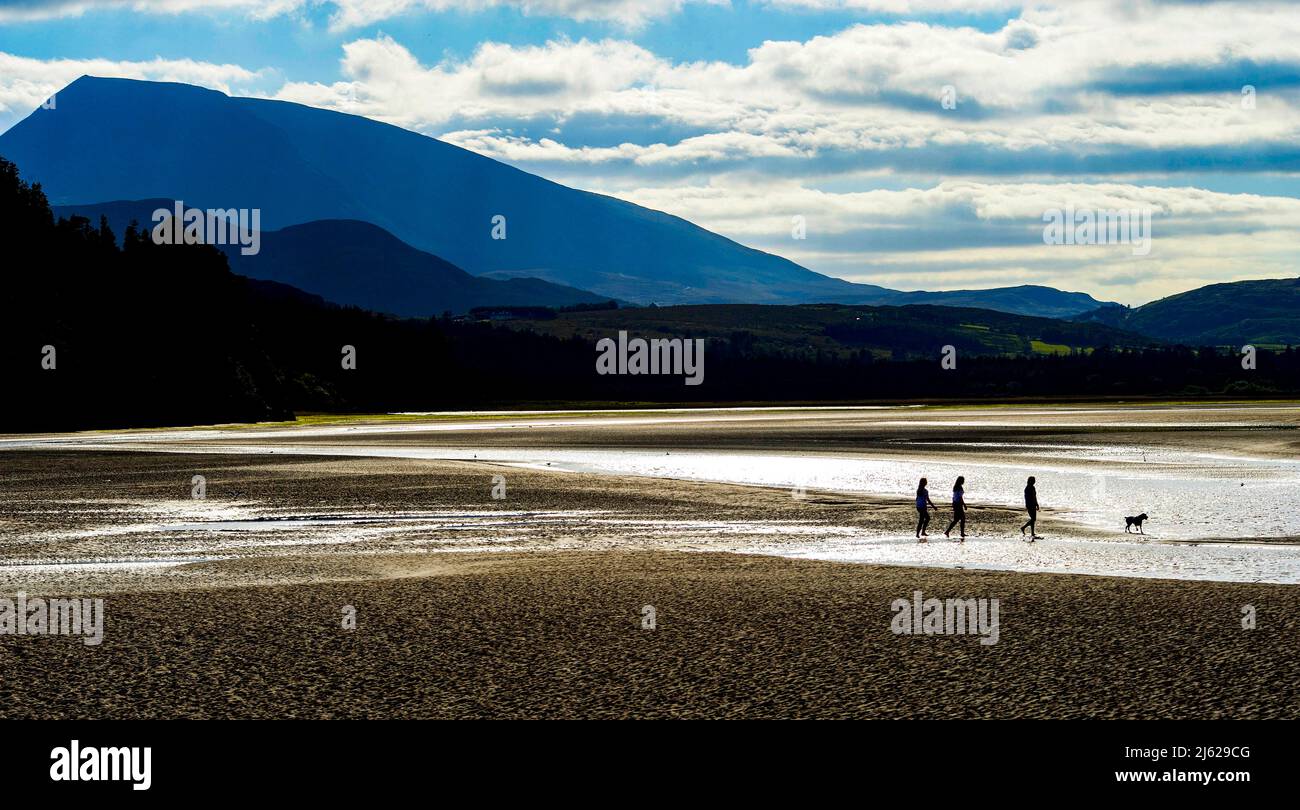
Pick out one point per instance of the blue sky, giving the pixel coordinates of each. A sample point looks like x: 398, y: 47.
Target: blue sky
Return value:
x: 303, y: 47
x: 743, y: 116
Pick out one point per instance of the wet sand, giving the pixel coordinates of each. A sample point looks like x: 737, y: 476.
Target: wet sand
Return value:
x: 63, y: 511
x: 554, y: 631
x: 558, y: 634
x: 1262, y: 429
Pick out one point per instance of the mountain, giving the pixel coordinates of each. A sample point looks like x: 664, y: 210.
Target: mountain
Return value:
x: 358, y: 264
x: 119, y: 139
x: 1263, y: 313
x: 916, y: 331
x: 1027, y: 299
x: 123, y: 139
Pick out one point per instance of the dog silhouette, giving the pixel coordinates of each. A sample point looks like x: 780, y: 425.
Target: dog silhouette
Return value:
x: 1130, y: 522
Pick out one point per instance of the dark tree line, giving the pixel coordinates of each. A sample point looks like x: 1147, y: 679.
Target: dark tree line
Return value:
x: 146, y: 334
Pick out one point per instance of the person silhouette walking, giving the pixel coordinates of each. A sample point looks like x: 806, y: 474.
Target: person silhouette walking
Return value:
x: 923, y: 507
x: 958, y: 508
x: 1031, y: 506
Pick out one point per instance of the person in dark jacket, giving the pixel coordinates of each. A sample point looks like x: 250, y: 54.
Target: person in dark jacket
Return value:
x: 958, y: 508
x: 1031, y: 506
x: 923, y: 507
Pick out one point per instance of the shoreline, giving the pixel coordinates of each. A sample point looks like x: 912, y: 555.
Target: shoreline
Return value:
x: 596, y: 409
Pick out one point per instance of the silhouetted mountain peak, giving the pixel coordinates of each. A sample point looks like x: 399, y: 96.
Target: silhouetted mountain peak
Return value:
x: 356, y: 263
x: 123, y: 139
x: 114, y: 139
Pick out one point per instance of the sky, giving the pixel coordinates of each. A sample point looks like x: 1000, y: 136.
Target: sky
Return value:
x: 915, y: 144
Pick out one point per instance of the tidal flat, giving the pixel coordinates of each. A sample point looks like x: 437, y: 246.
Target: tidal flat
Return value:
x: 507, y: 561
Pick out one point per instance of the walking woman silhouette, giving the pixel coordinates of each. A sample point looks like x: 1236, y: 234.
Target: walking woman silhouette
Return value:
x: 923, y: 507
x: 958, y: 508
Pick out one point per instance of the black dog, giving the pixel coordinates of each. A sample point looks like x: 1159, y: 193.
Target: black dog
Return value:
x: 1130, y: 522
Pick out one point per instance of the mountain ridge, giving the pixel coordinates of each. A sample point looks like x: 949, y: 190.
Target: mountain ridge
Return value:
x: 356, y: 263
x: 122, y: 139
x: 1262, y: 312
x: 1024, y: 299
x: 126, y: 139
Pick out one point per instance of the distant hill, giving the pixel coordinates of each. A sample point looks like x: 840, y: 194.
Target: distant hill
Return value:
x: 1263, y: 313
x: 907, y: 332
x: 1027, y: 299
x: 358, y: 264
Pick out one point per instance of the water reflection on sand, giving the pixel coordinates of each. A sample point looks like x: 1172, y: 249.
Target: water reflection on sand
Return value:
x: 1096, y: 468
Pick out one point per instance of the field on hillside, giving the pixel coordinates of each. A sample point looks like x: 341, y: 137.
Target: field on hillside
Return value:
x: 839, y: 330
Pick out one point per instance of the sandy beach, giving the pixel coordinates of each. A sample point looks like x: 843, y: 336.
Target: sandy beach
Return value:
x: 531, y: 605
x: 559, y: 635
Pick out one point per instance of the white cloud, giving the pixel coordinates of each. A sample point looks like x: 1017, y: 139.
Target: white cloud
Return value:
x: 959, y: 234
x: 34, y: 10
x: 902, y: 7
x: 870, y: 89
x: 765, y: 207
x: 626, y: 13
x: 348, y: 14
